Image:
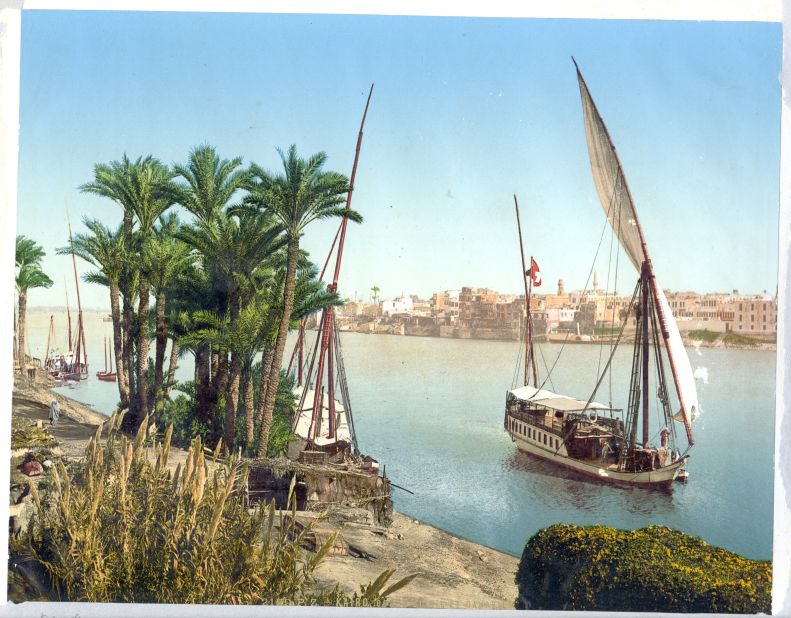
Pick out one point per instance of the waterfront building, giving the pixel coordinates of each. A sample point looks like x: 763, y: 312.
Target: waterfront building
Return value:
x: 400, y: 305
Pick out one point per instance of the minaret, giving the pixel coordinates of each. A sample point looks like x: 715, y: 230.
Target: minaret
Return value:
x: 561, y: 291
x: 595, y: 281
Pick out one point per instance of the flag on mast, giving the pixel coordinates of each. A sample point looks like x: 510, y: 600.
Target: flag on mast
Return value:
x: 534, y: 273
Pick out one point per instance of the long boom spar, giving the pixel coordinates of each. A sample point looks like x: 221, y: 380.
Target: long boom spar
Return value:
x: 611, y: 184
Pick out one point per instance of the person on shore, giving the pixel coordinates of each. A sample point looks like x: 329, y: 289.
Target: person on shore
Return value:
x: 54, y: 412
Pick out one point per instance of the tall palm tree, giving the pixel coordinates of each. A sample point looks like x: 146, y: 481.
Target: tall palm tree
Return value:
x: 28, y: 275
x: 239, y: 248
x: 106, y: 250
x: 113, y: 181
x: 205, y: 186
x: 302, y: 194
x: 209, y: 183
x: 166, y: 258
x: 151, y: 196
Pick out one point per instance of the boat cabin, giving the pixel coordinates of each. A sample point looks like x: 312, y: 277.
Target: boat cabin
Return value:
x: 566, y: 426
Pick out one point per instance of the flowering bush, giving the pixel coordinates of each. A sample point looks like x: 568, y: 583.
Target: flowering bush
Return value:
x: 566, y: 567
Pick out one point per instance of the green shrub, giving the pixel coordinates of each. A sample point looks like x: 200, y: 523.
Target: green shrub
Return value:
x: 597, y: 568
x: 734, y: 339
x: 120, y: 528
x: 704, y: 335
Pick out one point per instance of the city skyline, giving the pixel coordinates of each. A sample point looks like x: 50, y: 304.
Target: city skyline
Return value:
x: 465, y: 113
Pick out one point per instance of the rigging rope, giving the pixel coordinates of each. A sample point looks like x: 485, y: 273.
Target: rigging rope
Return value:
x: 582, y: 295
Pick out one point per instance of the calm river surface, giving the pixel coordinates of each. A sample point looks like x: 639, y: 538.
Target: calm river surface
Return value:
x: 431, y: 411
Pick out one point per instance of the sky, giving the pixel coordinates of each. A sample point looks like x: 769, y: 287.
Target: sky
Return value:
x: 466, y: 112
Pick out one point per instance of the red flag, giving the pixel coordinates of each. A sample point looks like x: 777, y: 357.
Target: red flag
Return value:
x: 534, y: 273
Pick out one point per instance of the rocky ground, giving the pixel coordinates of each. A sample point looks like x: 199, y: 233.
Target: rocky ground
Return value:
x: 452, y: 572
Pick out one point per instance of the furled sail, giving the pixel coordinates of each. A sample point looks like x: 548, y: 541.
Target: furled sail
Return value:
x: 618, y: 205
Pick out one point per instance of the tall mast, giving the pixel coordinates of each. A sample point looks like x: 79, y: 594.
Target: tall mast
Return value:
x: 81, y: 331
x: 644, y: 309
x: 49, y: 338
x: 529, y: 359
x: 328, y: 313
x: 68, y: 311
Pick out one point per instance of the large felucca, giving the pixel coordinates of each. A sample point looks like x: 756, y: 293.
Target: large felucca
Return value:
x: 323, y: 424
x: 598, y: 439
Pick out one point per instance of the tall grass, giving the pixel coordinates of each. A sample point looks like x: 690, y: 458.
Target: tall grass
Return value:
x: 123, y: 527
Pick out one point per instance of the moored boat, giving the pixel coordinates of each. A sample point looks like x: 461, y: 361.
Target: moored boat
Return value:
x: 597, y: 439
x: 323, y: 425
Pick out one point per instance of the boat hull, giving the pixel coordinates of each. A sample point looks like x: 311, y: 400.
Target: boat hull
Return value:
x: 661, y: 477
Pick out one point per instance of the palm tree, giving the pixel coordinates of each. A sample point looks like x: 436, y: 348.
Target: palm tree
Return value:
x: 113, y: 181
x: 151, y: 196
x: 205, y: 186
x: 209, y: 183
x: 375, y: 293
x: 166, y: 258
x: 302, y: 194
x: 106, y: 250
x: 28, y: 275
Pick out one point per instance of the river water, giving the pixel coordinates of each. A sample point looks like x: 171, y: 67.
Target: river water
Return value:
x: 431, y: 411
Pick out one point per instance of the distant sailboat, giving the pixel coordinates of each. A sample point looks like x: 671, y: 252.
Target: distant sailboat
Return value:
x: 107, y: 375
x: 594, y: 438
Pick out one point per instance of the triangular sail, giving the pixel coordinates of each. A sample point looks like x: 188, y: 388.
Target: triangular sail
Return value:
x: 618, y: 205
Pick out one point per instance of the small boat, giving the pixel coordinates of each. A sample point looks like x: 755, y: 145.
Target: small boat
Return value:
x: 600, y: 440
x: 107, y: 375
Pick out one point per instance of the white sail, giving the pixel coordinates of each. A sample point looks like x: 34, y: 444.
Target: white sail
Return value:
x: 616, y: 199
x: 682, y: 371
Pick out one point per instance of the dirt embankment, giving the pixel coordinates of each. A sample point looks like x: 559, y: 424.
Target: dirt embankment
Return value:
x: 452, y: 572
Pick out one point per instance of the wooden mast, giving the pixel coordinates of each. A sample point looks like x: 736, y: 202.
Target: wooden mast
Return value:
x: 68, y: 311
x: 49, y: 339
x: 529, y: 360
x: 644, y: 309
x: 328, y: 313
x: 81, y: 330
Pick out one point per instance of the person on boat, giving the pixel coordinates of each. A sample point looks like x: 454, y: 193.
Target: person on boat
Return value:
x: 54, y: 412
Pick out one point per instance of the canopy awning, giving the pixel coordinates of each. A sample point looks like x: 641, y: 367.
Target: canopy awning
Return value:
x: 342, y: 433
x: 555, y: 401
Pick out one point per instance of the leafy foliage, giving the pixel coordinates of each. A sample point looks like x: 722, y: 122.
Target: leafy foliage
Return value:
x: 597, y: 568
x: 704, y: 335
x: 187, y: 536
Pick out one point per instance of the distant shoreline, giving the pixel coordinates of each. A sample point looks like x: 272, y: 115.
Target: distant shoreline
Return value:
x: 555, y: 339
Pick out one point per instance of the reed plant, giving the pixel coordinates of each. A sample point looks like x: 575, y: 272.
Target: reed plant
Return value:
x: 124, y: 527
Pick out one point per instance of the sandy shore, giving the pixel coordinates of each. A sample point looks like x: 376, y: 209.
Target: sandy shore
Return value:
x: 452, y: 572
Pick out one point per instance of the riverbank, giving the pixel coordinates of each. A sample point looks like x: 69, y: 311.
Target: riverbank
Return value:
x: 709, y: 339
x: 452, y: 572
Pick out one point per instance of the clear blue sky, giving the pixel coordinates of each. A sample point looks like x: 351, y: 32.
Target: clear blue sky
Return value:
x: 465, y: 113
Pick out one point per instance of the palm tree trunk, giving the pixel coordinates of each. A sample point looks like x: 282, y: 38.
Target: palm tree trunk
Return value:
x: 231, y: 401
x: 128, y: 344
x: 22, y: 354
x: 120, y: 367
x: 203, y: 382
x: 249, y: 409
x: 174, y: 359
x: 142, y: 348
x: 125, y: 286
x: 280, y: 345
x: 162, y: 342
x: 266, y: 368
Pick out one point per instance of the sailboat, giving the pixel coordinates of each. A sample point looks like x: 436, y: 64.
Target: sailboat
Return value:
x: 323, y: 424
x: 597, y: 439
x: 107, y: 375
